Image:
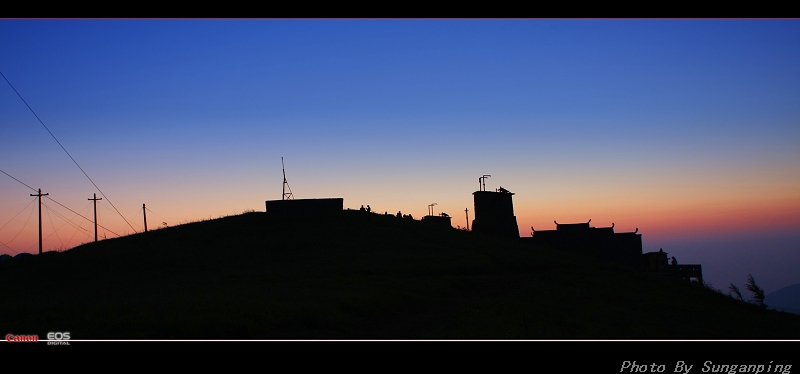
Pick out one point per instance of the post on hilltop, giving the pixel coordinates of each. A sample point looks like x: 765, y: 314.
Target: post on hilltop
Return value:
x: 94, y: 200
x: 40, y: 217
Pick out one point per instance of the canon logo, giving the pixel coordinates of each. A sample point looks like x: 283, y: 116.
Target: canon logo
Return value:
x: 22, y: 338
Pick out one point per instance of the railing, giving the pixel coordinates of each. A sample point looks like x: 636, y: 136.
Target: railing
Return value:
x: 687, y: 271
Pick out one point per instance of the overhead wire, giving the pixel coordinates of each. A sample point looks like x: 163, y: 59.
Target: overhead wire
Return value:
x: 55, y: 231
x: 101, y: 204
x: 66, y: 221
x: 23, y: 183
x: 137, y: 214
x: 22, y: 229
x: 65, y: 151
x: 79, y: 226
x: 55, y: 201
x: 104, y: 231
x: 90, y: 220
x: 58, y: 214
x: 11, y: 249
x: 15, y: 216
x: 159, y: 216
x: 69, y: 221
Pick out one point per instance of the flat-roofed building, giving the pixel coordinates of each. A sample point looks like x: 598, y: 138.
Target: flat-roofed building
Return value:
x: 494, y: 213
x: 305, y: 206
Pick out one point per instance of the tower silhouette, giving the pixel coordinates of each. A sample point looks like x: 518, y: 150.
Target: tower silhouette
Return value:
x: 494, y: 213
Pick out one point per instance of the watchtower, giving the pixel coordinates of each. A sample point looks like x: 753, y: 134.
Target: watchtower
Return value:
x: 494, y: 213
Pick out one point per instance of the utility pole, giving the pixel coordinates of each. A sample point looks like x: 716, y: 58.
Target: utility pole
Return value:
x: 40, y: 217
x: 94, y: 200
x: 466, y: 210
x: 144, y: 212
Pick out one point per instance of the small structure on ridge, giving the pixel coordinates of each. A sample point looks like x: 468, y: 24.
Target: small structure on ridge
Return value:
x: 288, y: 205
x: 494, y: 212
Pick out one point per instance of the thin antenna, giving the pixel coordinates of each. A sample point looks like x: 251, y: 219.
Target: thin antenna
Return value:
x: 482, y: 182
x: 286, y: 195
x: 430, y: 209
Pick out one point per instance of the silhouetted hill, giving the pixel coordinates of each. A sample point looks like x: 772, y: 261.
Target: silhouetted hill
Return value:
x: 357, y: 276
x: 786, y: 299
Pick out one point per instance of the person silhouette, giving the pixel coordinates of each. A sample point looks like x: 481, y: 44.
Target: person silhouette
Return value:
x: 368, y: 209
x: 674, y: 260
x: 362, y: 209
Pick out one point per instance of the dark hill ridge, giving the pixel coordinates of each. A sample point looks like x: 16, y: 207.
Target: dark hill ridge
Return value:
x: 358, y: 276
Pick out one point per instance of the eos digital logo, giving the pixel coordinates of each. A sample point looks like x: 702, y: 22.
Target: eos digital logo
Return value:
x: 57, y: 338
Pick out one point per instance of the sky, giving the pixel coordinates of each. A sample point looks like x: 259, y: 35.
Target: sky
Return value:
x: 688, y: 130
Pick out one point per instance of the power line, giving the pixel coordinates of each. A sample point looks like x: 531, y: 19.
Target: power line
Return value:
x: 66, y: 221
x: 77, y: 226
x: 55, y: 231
x: 23, y: 183
x: 159, y: 216
x: 15, y: 216
x: 12, y: 250
x: 62, y: 205
x: 65, y: 207
x: 22, y: 229
x: 65, y: 151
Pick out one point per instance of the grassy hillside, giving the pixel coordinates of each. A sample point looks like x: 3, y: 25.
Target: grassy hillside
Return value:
x: 358, y: 276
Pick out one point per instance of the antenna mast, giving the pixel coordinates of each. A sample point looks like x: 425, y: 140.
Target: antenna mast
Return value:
x: 430, y: 209
x: 482, y: 182
x: 286, y: 195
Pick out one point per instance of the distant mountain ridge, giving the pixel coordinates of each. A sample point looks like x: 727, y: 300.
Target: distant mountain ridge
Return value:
x: 786, y: 299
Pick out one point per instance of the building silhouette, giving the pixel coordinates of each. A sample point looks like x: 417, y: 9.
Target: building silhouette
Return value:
x: 601, y: 242
x: 494, y: 214
x: 442, y: 220
x: 308, y: 207
x: 657, y: 262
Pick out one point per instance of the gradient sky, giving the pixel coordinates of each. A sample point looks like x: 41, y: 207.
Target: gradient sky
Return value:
x: 688, y: 130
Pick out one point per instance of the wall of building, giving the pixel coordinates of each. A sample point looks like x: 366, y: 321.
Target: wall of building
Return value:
x: 494, y: 214
x: 602, y: 242
x: 305, y: 206
x: 440, y: 221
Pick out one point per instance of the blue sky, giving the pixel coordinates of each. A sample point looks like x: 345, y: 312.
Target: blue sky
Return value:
x: 684, y: 129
